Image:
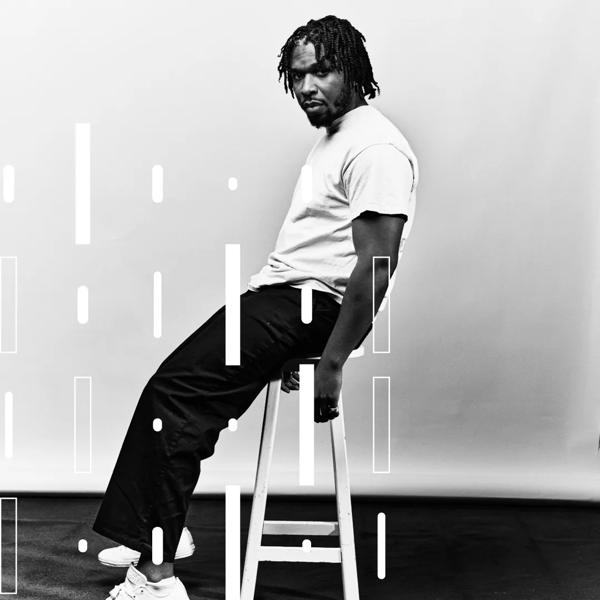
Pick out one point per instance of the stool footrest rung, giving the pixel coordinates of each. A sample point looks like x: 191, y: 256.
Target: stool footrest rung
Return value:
x: 290, y: 554
x: 301, y: 528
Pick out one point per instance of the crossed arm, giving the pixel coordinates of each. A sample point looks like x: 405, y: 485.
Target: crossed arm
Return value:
x: 373, y: 234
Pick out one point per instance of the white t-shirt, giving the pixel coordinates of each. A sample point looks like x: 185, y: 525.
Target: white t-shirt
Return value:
x: 361, y: 163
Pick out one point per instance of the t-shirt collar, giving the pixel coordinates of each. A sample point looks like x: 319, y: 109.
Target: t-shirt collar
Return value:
x: 336, y: 123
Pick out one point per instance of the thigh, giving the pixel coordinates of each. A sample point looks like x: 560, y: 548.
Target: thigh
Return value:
x: 271, y: 332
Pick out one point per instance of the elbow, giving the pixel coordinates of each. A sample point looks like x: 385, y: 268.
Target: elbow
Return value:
x: 384, y: 266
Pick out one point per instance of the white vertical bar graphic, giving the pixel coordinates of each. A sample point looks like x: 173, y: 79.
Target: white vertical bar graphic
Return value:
x: 8, y: 184
x: 232, y: 304
x: 306, y: 184
x: 306, y: 304
x: 157, y: 545
x: 82, y: 545
x: 83, y: 184
x: 306, y: 465
x: 232, y: 542
x: 8, y: 305
x: 157, y: 184
x: 8, y: 424
x: 82, y: 418
x: 82, y: 304
x: 157, y: 304
x: 3, y: 546
x: 232, y: 184
x: 381, y: 332
x: 381, y: 424
x: 381, y: 537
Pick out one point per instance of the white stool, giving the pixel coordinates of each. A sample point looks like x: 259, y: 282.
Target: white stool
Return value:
x: 343, y: 527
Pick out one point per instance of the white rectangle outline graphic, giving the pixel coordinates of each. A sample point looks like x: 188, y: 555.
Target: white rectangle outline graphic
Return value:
x: 157, y: 184
x: 83, y: 186
x: 2, y: 351
x: 381, y: 536
x: 8, y: 424
x: 388, y: 424
x: 157, y: 304
x: 385, y: 303
x: 306, y: 426
x: 232, y: 304
x: 8, y: 184
x: 16, y: 547
x: 75, y: 423
x: 232, y: 542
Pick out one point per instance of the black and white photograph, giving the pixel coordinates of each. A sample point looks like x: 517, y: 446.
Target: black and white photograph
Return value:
x: 299, y: 301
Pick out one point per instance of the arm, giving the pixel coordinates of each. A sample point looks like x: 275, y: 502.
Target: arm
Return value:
x: 374, y: 234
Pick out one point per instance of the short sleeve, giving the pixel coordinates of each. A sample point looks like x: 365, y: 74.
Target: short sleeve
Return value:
x: 379, y: 179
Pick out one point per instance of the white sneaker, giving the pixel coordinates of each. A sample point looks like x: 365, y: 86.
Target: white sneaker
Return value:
x: 122, y: 556
x: 137, y: 586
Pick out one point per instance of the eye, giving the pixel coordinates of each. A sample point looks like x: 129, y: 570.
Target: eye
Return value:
x: 322, y: 73
x: 296, y: 76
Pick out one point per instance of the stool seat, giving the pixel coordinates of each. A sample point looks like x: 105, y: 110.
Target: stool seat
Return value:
x: 343, y: 528
x: 293, y: 363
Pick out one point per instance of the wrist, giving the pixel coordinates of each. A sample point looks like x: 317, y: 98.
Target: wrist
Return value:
x: 331, y: 363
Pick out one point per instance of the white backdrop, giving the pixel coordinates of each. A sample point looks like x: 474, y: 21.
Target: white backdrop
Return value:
x: 495, y: 327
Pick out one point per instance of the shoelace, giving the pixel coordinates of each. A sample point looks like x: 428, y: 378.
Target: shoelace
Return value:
x: 120, y: 593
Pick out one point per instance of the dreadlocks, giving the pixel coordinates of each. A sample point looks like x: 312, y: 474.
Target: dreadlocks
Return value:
x: 337, y: 40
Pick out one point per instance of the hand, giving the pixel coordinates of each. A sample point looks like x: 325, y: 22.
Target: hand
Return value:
x: 328, y: 384
x: 290, y: 381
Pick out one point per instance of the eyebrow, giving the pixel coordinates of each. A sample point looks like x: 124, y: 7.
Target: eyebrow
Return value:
x: 316, y: 66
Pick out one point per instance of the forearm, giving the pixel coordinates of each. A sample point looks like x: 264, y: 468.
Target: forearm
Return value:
x: 356, y: 312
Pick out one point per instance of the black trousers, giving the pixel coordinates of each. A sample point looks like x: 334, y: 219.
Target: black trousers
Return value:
x: 195, y: 394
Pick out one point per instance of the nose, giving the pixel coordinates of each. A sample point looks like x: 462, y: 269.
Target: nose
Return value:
x: 307, y: 85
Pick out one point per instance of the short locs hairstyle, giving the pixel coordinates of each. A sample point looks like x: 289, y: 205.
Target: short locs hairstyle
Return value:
x: 341, y: 43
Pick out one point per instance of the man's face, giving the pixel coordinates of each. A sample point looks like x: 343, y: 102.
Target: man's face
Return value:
x: 321, y: 91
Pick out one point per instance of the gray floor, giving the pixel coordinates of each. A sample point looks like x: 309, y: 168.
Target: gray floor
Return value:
x: 436, y: 550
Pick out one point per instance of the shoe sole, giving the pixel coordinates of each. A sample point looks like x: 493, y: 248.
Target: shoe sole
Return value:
x: 178, y: 556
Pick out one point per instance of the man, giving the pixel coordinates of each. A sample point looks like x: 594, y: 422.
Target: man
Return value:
x: 360, y: 204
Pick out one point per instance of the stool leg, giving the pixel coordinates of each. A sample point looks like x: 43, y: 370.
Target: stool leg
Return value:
x: 344, y: 506
x: 259, y: 500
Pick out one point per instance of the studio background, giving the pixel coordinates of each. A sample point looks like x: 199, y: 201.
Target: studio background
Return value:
x: 495, y: 327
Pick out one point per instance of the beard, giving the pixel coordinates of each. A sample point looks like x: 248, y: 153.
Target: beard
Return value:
x: 341, y: 104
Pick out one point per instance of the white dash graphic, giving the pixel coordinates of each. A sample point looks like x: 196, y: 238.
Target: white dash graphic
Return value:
x: 232, y: 304
x: 306, y: 463
x: 306, y: 305
x: 381, y: 536
x: 306, y: 184
x: 157, y: 545
x: 82, y: 304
